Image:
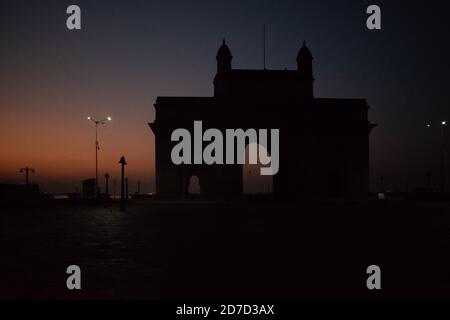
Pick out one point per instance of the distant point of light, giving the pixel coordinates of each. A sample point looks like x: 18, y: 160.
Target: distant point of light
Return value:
x: 428, y: 125
x: 89, y: 118
x: 444, y: 123
x: 109, y: 118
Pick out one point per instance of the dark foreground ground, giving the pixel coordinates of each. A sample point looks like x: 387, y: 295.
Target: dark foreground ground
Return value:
x: 227, y: 250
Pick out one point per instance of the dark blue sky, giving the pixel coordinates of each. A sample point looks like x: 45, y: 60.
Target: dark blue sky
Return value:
x: 129, y: 52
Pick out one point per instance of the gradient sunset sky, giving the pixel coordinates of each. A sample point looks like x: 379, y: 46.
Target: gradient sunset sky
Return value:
x: 131, y: 51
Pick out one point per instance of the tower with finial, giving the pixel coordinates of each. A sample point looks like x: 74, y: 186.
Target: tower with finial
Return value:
x: 304, y: 67
x: 223, y: 58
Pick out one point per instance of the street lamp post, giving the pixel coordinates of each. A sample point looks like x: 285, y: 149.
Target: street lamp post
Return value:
x: 26, y: 170
x: 123, y: 163
x: 97, y: 122
x: 426, y: 157
x: 107, y: 185
x: 443, y: 125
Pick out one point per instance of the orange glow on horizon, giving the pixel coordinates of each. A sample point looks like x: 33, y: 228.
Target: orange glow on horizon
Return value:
x: 61, y: 145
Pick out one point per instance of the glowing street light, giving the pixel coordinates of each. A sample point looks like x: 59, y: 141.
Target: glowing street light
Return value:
x: 97, y: 147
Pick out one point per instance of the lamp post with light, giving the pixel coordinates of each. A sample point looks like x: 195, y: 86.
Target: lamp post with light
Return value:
x: 97, y: 122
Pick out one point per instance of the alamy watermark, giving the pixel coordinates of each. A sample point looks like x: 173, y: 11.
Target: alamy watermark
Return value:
x: 374, y: 280
x: 73, y: 282
x: 235, y: 140
x: 73, y: 21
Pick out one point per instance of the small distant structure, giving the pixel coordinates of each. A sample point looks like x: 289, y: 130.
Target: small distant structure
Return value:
x: 27, y: 170
x: 88, y: 188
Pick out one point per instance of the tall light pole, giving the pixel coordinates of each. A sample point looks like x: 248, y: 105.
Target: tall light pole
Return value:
x: 426, y: 157
x: 107, y: 185
x: 26, y: 170
x: 443, y: 125
x: 97, y: 147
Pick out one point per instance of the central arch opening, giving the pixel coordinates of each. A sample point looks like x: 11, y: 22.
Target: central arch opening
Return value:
x: 194, y: 186
x: 252, y: 180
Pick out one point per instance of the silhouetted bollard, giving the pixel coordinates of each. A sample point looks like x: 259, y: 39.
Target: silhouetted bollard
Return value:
x: 122, y: 191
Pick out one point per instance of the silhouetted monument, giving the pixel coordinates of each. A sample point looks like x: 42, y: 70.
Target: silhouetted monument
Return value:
x: 324, y: 143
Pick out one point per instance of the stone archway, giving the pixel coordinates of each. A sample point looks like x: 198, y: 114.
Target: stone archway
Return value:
x: 193, y: 185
